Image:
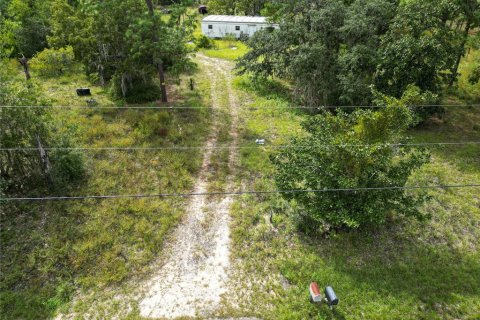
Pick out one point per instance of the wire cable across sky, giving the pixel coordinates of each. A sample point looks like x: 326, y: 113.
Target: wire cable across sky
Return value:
x: 251, y: 108
x: 255, y: 147
x: 236, y: 193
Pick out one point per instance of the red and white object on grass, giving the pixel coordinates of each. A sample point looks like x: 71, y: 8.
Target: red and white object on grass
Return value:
x: 315, y: 292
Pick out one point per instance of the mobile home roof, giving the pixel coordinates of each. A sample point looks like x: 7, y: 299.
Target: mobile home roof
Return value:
x: 245, y: 19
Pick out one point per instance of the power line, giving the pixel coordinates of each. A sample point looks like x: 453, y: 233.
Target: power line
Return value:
x: 256, y: 147
x: 234, y: 193
x: 251, y: 108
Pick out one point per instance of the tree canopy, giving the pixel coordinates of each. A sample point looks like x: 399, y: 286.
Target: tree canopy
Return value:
x: 334, y: 51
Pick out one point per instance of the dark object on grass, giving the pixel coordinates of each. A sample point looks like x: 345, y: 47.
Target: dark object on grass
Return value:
x: 81, y: 92
x: 330, y: 297
x: 202, y: 9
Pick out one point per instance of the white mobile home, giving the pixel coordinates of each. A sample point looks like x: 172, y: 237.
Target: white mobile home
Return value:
x: 215, y: 26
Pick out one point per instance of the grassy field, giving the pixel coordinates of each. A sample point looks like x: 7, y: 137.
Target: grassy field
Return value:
x: 226, y: 49
x: 404, y: 270
x: 53, y: 249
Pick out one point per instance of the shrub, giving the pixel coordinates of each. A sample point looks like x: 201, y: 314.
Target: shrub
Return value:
x: 68, y: 167
x: 53, y: 62
x: 475, y: 75
x: 414, y: 98
x: 328, y: 163
x: 204, y: 42
x: 141, y: 93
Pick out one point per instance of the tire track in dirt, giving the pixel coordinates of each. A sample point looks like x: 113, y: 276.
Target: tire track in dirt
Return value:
x: 195, y: 275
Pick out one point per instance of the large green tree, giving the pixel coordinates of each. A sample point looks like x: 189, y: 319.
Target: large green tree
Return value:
x: 365, y: 22
x: 334, y: 51
x: 123, y: 42
x: 305, y: 49
x: 25, y: 26
x: 419, y: 48
x: 328, y: 48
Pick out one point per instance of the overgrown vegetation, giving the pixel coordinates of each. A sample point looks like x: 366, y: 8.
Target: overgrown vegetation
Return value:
x: 123, y: 43
x: 333, y: 51
x: 52, y: 250
x: 382, y: 261
x: 52, y: 62
x: 228, y: 49
x: 407, y: 268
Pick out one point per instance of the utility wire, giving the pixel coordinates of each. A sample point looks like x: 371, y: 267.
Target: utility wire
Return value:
x: 233, y: 193
x: 251, y: 108
x: 256, y: 147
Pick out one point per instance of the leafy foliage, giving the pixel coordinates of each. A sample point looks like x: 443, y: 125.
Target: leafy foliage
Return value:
x: 23, y: 128
x: 238, y: 7
x: 327, y: 48
x: 350, y: 151
x: 19, y: 127
x: 414, y: 98
x: 204, y: 42
x: 53, y: 62
x: 475, y: 76
x: 119, y: 47
x: 333, y: 51
x: 25, y: 26
x: 418, y: 49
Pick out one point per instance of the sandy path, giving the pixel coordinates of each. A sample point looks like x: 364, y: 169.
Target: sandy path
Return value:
x: 194, y: 278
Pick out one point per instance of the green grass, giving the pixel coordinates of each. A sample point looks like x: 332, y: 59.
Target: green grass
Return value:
x: 404, y: 270
x: 219, y: 169
x: 51, y: 250
x: 226, y: 49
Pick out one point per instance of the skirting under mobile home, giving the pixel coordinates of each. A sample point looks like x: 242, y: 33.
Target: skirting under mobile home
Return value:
x: 215, y: 26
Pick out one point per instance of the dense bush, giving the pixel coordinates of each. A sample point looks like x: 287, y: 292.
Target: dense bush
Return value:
x: 475, y: 75
x: 414, y: 98
x: 53, y: 62
x: 204, y: 42
x: 351, y: 151
x: 68, y: 167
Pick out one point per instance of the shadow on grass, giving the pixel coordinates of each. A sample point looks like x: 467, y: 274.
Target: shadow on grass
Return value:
x: 457, y: 125
x: 268, y: 88
x: 425, y: 275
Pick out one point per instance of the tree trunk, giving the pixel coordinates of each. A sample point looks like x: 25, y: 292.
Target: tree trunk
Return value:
x: 44, y: 162
x: 24, y: 62
x: 460, y: 54
x: 150, y: 6
x: 161, y: 77
x: 161, y: 74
